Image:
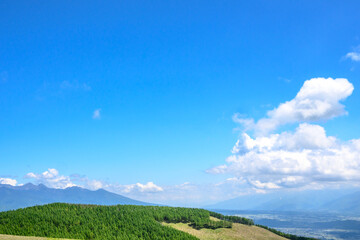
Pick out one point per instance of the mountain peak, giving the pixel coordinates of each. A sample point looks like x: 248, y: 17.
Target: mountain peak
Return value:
x: 75, y: 188
x: 31, y: 186
x: 6, y: 186
x: 27, y: 186
x: 101, y: 190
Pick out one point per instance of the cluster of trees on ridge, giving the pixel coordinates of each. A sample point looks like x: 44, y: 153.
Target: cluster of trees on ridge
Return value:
x: 285, y: 235
x: 233, y: 219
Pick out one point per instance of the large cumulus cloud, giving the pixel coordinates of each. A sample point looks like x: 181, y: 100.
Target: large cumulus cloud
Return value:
x: 304, y: 156
x: 318, y: 99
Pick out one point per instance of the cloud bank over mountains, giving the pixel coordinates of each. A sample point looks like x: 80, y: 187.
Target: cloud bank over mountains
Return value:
x: 8, y: 181
x: 305, y: 157
x: 53, y: 179
x: 185, y: 194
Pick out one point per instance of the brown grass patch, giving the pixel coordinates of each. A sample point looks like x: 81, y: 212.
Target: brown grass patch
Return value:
x: 237, y: 232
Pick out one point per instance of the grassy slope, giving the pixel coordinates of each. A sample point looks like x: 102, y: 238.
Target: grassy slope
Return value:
x: 237, y: 232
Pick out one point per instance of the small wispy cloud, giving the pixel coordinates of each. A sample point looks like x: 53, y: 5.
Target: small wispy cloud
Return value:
x: 3, y: 77
x: 97, y: 114
x: 287, y: 80
x: 355, y: 55
x: 49, y: 89
x: 74, y: 85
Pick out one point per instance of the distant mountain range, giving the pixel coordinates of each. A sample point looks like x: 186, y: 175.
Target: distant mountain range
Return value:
x: 348, y: 203
x: 29, y: 195
x: 344, y: 201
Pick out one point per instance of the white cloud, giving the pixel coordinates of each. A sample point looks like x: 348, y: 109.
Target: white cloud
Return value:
x: 246, y: 123
x: 185, y: 194
x: 8, y: 181
x: 355, y: 55
x: 148, y: 187
x: 265, y: 185
x: 291, y: 159
x: 94, y: 184
x: 30, y: 175
x: 299, y: 158
x: 96, y: 114
x: 318, y: 100
x: 51, y: 178
x: 306, y: 136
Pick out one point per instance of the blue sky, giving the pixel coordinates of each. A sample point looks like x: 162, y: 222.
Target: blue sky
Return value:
x: 166, y: 78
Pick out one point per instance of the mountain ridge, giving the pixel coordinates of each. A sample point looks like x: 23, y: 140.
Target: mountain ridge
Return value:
x: 311, y: 200
x: 14, y: 197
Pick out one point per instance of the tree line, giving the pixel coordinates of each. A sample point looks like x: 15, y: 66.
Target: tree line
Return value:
x: 285, y: 235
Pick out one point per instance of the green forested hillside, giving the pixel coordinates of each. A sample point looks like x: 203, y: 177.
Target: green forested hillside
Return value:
x: 75, y: 221
x: 104, y: 222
